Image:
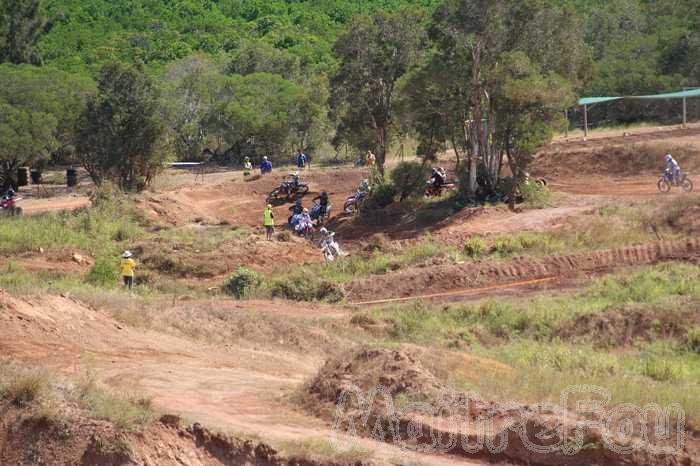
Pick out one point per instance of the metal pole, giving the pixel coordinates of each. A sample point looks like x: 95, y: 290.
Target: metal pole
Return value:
x: 585, y: 122
x: 685, y: 113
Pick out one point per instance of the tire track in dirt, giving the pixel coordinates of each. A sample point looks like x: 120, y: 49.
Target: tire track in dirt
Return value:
x: 479, y: 274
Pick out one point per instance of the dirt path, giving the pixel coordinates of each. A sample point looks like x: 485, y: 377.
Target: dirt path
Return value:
x: 54, y: 204
x: 237, y: 390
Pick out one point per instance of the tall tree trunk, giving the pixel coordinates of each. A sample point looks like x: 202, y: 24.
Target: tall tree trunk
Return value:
x: 382, y: 135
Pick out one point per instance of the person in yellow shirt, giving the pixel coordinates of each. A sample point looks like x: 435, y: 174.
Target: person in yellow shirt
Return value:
x: 269, y: 221
x: 127, y: 266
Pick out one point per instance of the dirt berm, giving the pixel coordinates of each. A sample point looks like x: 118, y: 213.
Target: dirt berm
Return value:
x: 26, y: 439
x: 439, y: 279
x: 390, y: 396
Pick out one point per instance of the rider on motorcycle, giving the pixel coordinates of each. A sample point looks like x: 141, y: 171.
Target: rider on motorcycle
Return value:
x: 323, y: 205
x: 673, y: 168
x: 296, y: 209
x: 438, y: 177
x: 293, y: 182
x: 303, y: 221
x: 8, y: 195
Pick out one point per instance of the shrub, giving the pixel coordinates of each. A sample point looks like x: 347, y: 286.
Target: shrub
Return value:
x: 692, y: 339
x: 104, y: 272
x: 382, y: 196
x: 24, y: 386
x: 408, y: 178
x: 242, y: 283
x: 475, y: 247
x: 536, y: 195
x: 301, y: 287
x: 506, y: 245
x: 663, y: 370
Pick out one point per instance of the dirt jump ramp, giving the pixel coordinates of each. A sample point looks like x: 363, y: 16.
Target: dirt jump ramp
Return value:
x: 444, y: 279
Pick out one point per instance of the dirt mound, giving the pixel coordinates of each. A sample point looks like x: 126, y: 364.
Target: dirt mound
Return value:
x: 26, y: 439
x: 433, y: 280
x: 687, y: 221
x: 390, y: 396
x: 621, y: 327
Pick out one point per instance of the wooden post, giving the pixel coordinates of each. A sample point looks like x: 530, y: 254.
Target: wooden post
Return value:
x: 566, y: 120
x: 585, y: 122
x: 685, y: 113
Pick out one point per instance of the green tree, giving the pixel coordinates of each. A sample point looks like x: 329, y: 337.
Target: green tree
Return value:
x: 39, y: 108
x: 118, y: 133
x: 373, y: 55
x: 490, y: 45
x: 21, y: 26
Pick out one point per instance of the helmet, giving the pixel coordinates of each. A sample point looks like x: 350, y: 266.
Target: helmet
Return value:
x: 269, y: 206
x: 306, y: 211
x: 324, y: 231
x: 324, y: 194
x: 265, y: 158
x: 127, y: 254
x: 298, y: 201
x: 669, y: 157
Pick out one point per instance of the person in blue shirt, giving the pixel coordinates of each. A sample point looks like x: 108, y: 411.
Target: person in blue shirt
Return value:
x: 673, y: 168
x: 265, y: 166
x: 302, y: 159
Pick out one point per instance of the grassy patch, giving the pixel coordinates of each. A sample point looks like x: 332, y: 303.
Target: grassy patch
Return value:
x: 324, y: 450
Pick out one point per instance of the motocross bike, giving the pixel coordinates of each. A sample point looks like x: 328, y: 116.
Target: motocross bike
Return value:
x: 354, y: 202
x: 10, y: 207
x: 433, y: 190
x: 331, y: 249
x: 287, y: 190
x: 667, y: 181
x: 321, y: 219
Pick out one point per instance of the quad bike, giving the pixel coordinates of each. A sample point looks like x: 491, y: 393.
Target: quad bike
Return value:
x: 667, y: 181
x: 287, y: 190
x: 321, y: 219
x: 10, y: 207
x: 331, y: 248
x: 354, y: 202
x: 433, y: 190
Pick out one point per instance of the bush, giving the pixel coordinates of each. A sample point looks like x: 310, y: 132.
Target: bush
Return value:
x: 104, y: 272
x: 475, y: 247
x: 506, y: 245
x: 301, y: 287
x: 692, y: 339
x: 536, y: 195
x: 242, y: 283
x: 382, y: 196
x: 409, y: 178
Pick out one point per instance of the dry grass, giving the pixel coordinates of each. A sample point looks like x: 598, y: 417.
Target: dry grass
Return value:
x: 324, y: 450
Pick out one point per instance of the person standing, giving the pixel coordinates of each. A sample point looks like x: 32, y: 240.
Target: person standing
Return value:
x: 371, y: 159
x: 269, y: 221
x: 247, y: 167
x: 302, y: 159
x: 265, y: 166
x: 127, y: 266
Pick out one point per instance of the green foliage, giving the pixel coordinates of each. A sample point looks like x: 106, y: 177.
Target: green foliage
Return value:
x: 21, y: 26
x: 38, y: 109
x: 692, y: 339
x: 364, y: 85
x: 104, y: 272
x: 475, y: 247
x: 535, y: 195
x: 305, y: 287
x: 242, y: 283
x: 409, y: 178
x: 382, y: 196
x: 119, y: 131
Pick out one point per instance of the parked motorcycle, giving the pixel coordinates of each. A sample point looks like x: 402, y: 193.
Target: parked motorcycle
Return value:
x: 667, y: 181
x: 10, y: 207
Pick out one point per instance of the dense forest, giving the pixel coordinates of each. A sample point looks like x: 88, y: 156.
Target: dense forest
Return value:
x: 236, y: 78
